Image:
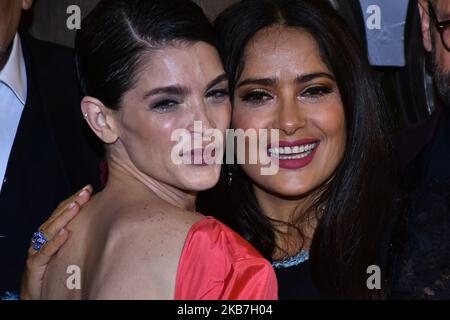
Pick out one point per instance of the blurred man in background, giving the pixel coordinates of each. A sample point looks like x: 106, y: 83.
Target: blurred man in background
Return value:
x: 44, y: 154
x: 421, y: 247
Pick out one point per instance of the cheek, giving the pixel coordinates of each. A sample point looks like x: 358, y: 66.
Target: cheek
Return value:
x: 444, y: 57
x: 148, y: 137
x: 250, y: 118
x: 331, y: 123
x: 238, y: 119
x: 330, y: 119
x: 221, y: 117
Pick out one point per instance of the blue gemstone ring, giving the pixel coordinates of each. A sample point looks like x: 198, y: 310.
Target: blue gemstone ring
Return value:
x: 38, y: 240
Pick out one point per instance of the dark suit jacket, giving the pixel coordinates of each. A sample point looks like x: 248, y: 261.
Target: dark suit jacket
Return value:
x: 420, y: 263
x: 52, y: 155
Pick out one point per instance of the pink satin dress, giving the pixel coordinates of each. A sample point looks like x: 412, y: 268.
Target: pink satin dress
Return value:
x: 217, y: 264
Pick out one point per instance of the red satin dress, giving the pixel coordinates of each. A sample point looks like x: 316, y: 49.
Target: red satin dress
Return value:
x: 217, y: 264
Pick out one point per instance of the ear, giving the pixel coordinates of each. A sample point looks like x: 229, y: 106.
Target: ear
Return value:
x: 100, y: 119
x: 426, y: 24
x: 26, y: 4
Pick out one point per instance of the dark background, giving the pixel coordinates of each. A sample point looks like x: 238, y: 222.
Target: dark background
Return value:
x: 47, y: 20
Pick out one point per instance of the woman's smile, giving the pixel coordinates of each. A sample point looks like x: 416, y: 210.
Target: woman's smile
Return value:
x: 295, y: 154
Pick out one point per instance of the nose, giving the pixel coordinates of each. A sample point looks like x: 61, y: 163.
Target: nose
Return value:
x: 290, y: 117
x: 201, y: 114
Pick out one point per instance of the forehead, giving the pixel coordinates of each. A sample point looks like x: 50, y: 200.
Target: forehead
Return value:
x: 9, y: 6
x: 185, y: 64
x: 281, y: 48
x: 8, y: 3
x: 443, y: 8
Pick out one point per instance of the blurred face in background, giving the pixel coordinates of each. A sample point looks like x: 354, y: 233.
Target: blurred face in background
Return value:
x: 10, y: 13
x: 435, y: 44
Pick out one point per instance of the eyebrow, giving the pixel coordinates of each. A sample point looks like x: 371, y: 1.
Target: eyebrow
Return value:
x: 262, y: 82
x: 273, y: 81
x: 183, y: 91
x: 216, y: 81
x: 312, y: 76
x: 174, y: 90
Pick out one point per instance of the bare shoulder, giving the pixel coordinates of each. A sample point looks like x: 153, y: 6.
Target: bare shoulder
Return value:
x: 164, y: 222
x: 154, y: 232
x: 143, y: 251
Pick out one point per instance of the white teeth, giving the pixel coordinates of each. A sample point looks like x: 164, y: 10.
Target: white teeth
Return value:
x: 274, y: 150
x: 297, y: 151
x: 299, y: 156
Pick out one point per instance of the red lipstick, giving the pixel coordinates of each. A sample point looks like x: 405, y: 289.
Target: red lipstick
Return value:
x: 297, y: 163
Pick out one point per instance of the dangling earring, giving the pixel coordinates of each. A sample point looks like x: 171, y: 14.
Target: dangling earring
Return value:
x: 322, y: 209
x: 230, y: 175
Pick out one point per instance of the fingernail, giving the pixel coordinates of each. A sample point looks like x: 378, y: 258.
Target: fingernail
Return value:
x: 62, y: 232
x: 72, y: 205
x: 82, y: 193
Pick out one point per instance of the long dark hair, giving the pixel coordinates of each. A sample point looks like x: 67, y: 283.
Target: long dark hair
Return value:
x: 357, y: 197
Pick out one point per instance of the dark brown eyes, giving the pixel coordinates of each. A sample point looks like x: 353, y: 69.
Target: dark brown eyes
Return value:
x: 259, y: 96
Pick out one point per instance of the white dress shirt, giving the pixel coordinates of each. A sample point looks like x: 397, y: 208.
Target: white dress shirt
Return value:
x: 13, y: 95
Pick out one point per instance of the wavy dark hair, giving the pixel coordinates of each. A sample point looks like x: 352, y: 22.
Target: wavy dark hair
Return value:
x: 357, y: 197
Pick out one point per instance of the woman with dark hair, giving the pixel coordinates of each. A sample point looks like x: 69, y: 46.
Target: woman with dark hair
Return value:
x: 148, y: 67
x: 294, y: 66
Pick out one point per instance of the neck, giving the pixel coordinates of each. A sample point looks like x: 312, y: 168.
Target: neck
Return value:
x: 284, y: 209
x: 288, y: 210
x: 124, y: 176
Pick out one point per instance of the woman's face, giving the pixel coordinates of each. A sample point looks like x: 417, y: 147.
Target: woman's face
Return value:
x: 285, y: 85
x: 177, y: 85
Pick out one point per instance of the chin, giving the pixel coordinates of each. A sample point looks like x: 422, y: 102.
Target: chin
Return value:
x: 201, y: 178
x: 198, y: 186
x: 292, y: 192
x: 289, y: 187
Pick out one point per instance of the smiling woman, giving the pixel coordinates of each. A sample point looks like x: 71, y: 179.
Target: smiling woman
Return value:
x: 294, y: 66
